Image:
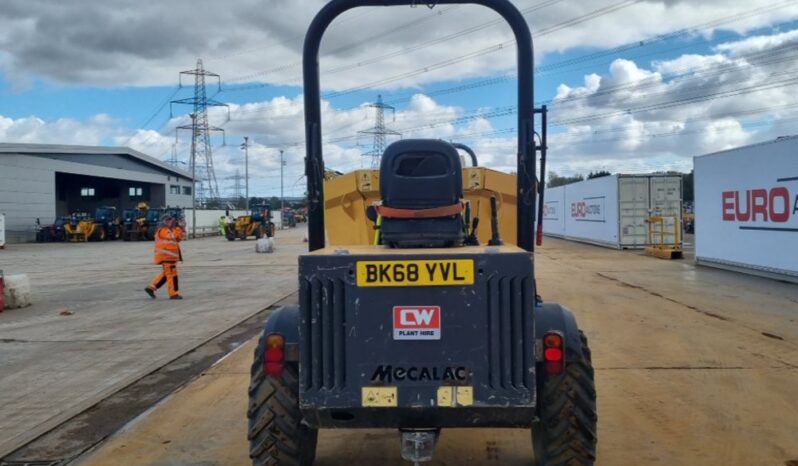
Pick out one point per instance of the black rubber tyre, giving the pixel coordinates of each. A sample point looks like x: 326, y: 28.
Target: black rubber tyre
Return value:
x: 277, y: 434
x: 566, y: 433
x: 259, y: 232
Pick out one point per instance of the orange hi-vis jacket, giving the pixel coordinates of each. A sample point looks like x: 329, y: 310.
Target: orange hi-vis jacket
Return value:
x: 167, y: 245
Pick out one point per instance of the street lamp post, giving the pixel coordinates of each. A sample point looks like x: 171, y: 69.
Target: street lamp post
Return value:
x: 193, y: 175
x: 282, y: 198
x: 245, y: 146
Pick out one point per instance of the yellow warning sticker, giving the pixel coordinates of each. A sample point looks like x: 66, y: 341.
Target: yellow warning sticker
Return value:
x: 465, y: 396
x: 445, y: 396
x: 449, y: 397
x: 379, y: 397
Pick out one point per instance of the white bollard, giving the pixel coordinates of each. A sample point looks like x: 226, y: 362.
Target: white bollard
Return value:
x: 264, y: 245
x: 17, y: 291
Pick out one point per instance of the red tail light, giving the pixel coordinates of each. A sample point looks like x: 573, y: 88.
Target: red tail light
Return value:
x: 274, y: 355
x: 553, y: 353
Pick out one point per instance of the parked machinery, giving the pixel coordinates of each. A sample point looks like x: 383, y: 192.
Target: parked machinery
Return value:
x: 289, y: 218
x: 53, y: 232
x: 257, y: 223
x: 136, y: 223
x: 104, y: 225
x: 154, y: 215
x: 74, y: 227
x: 435, y: 325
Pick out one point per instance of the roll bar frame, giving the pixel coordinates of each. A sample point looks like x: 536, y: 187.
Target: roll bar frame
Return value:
x: 527, y: 146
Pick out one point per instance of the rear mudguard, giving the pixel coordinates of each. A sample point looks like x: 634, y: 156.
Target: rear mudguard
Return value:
x: 285, y: 321
x: 554, y: 317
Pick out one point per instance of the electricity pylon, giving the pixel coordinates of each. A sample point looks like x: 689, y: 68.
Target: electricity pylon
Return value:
x: 379, y: 131
x: 201, y: 160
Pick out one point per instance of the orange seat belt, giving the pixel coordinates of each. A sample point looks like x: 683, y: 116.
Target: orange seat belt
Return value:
x: 444, y: 211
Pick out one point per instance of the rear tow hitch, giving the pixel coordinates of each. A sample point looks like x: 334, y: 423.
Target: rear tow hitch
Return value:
x: 419, y: 445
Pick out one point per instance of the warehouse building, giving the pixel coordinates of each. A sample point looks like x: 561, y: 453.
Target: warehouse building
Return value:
x: 43, y: 181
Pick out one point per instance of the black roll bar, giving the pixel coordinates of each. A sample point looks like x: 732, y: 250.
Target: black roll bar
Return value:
x: 314, y: 159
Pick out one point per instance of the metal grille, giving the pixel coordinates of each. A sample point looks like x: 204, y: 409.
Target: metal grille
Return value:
x: 326, y: 327
x: 510, y: 337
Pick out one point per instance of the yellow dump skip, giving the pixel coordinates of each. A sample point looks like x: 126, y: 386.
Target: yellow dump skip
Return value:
x: 347, y: 196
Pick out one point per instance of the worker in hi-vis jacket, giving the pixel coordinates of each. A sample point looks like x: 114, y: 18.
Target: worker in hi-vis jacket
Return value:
x: 167, y: 253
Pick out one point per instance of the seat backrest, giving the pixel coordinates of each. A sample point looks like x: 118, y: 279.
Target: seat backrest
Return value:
x: 420, y: 174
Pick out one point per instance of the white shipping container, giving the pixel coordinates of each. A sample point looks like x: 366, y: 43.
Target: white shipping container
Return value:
x: 613, y: 210
x: 554, y: 211
x: 591, y: 213
x: 746, y: 208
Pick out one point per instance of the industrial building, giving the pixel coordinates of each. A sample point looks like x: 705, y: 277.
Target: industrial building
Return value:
x: 43, y: 181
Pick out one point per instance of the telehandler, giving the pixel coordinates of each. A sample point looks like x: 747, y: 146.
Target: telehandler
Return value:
x: 257, y: 223
x: 435, y: 325
x: 104, y: 225
x: 135, y: 223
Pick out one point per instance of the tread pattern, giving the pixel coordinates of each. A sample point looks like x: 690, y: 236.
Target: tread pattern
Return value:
x: 277, y: 434
x: 566, y: 433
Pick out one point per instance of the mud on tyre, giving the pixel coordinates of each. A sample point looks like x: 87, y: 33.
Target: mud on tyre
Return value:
x: 277, y: 433
x: 566, y: 432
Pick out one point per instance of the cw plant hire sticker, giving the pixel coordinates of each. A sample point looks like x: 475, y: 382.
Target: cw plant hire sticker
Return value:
x: 416, y: 322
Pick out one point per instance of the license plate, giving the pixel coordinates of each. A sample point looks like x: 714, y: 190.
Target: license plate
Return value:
x: 423, y: 272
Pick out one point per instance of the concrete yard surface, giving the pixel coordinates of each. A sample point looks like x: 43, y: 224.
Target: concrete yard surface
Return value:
x: 92, y: 330
x: 694, y: 366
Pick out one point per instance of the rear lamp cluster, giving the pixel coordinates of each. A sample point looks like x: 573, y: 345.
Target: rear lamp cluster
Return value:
x: 553, y: 353
x: 274, y: 355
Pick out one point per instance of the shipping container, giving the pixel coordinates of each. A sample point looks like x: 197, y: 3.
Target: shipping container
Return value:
x: 613, y: 210
x: 554, y: 211
x: 746, y: 209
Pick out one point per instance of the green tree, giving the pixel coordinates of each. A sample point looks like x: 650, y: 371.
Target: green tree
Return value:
x: 598, y: 174
x: 557, y: 180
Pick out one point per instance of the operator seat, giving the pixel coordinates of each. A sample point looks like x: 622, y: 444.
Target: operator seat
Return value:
x: 421, y: 184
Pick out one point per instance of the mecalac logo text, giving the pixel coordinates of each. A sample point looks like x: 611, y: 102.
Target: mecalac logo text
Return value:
x: 389, y: 374
x: 775, y: 205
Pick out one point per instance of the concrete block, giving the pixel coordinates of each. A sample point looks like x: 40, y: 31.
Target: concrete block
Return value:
x: 264, y: 245
x: 17, y: 291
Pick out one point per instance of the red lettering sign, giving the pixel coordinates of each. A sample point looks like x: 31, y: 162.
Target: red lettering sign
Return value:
x: 756, y: 205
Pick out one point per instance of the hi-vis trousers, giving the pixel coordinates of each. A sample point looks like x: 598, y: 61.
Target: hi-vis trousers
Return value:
x: 169, y: 276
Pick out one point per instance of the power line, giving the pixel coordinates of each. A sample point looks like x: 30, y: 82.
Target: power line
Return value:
x: 500, y: 46
x: 297, y: 39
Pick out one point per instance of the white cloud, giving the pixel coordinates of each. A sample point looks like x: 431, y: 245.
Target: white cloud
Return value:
x: 121, y: 42
x: 630, y: 117
x: 759, y: 43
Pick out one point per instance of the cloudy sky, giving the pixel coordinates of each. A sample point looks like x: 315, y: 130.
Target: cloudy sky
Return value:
x: 633, y: 86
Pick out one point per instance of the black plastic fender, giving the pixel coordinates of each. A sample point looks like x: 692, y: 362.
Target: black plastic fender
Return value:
x: 555, y: 317
x: 285, y: 321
